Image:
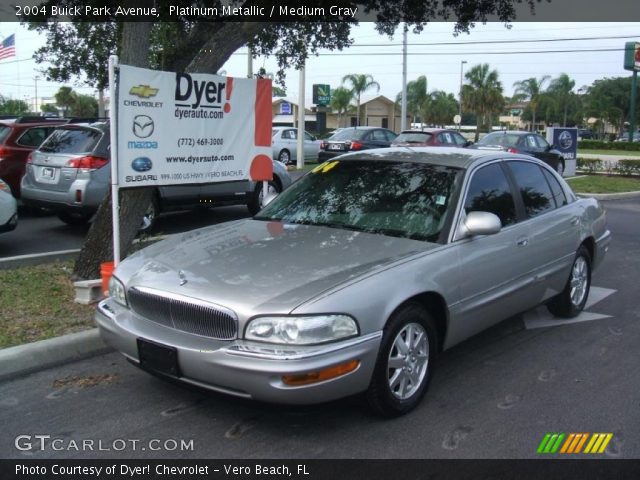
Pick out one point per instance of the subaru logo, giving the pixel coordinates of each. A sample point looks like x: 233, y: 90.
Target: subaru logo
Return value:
x: 565, y: 140
x: 142, y: 164
x: 143, y: 126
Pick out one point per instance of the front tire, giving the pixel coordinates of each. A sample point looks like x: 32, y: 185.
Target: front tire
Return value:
x: 255, y: 203
x: 570, y: 302
x: 284, y: 157
x: 403, y: 368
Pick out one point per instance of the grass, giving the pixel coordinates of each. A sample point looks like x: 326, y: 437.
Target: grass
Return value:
x: 620, y: 153
x: 604, y: 184
x: 37, y: 303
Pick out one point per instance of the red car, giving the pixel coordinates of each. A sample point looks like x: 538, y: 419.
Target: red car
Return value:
x: 430, y: 137
x: 18, y: 138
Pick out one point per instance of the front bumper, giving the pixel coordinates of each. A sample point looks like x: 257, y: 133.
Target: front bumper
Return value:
x: 241, y: 368
x: 10, y: 225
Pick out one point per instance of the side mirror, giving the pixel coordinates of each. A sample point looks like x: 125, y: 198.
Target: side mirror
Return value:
x: 480, y: 223
x: 268, y: 198
x: 468, y: 143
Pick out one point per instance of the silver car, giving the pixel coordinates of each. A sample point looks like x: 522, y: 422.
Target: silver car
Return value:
x: 8, y: 209
x: 357, y: 276
x: 70, y: 174
x: 285, y: 145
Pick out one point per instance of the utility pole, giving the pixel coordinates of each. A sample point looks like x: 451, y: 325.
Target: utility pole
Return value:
x: 632, y: 112
x: 462, y: 62
x: 403, y: 108
x: 300, y: 143
x: 35, y: 100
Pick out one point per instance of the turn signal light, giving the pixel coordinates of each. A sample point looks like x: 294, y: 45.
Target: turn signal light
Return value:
x: 322, y: 375
x: 89, y: 162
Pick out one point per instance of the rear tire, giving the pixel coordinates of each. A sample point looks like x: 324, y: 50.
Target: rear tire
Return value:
x: 255, y: 203
x: 75, y: 218
x: 403, y: 368
x: 570, y: 302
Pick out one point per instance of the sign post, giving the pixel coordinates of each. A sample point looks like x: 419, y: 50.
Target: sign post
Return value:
x: 632, y: 62
x: 115, y: 200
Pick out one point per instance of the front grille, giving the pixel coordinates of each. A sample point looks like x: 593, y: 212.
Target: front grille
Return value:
x: 183, y: 314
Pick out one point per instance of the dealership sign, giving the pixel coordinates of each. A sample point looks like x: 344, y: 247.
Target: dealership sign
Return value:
x: 321, y: 95
x: 180, y: 128
x: 632, y: 56
x: 565, y: 140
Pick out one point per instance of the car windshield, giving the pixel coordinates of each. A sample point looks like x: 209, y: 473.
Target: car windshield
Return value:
x: 504, y: 139
x: 413, y: 137
x: 71, y: 141
x: 400, y: 199
x: 350, y: 134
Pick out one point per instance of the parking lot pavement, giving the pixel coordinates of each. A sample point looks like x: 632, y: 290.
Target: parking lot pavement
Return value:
x: 494, y: 396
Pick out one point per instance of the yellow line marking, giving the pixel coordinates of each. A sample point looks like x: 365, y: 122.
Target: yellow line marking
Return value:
x: 594, y: 437
x: 606, y: 441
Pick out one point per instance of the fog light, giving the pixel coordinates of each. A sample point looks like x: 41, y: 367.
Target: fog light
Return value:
x: 322, y: 375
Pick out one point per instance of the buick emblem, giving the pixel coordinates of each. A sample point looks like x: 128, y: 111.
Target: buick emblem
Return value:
x: 183, y: 278
x: 143, y: 126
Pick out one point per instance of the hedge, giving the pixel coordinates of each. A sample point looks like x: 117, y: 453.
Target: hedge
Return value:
x: 623, y: 167
x: 600, y: 145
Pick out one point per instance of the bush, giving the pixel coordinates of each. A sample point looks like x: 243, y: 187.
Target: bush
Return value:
x: 600, y: 145
x: 591, y: 165
x: 629, y: 167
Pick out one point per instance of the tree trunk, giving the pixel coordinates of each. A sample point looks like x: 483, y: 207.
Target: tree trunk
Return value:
x: 216, y: 47
x: 533, y: 123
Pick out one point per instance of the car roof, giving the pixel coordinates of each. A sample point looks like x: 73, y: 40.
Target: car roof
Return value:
x: 428, y: 130
x: 445, y: 156
x: 514, y: 132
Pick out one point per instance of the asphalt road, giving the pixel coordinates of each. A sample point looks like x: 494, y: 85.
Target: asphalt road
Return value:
x: 494, y: 396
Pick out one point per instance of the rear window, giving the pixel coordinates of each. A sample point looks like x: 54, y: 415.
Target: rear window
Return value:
x: 4, y: 132
x: 350, y: 134
x: 413, y: 137
x: 504, y: 139
x: 69, y: 140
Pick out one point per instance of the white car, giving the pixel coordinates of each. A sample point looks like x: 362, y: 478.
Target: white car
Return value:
x: 285, y: 145
x: 8, y: 209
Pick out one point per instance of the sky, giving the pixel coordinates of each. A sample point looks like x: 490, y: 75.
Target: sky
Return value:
x: 600, y: 55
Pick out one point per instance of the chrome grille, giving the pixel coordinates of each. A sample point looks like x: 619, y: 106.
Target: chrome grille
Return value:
x: 183, y: 313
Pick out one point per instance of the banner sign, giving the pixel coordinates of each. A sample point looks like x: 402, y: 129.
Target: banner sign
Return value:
x: 180, y: 128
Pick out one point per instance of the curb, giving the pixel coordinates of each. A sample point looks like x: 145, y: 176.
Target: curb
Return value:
x: 43, y: 354
x: 609, y: 196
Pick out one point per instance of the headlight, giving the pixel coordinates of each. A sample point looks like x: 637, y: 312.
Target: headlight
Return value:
x: 304, y: 330
x: 116, y: 291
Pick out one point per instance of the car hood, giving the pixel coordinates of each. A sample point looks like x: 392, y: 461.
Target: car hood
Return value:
x: 257, y: 267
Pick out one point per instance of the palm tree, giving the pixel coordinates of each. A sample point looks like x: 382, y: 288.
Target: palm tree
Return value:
x: 442, y: 107
x: 562, y: 89
x: 531, y: 88
x: 360, y: 83
x: 416, y: 97
x: 340, y: 101
x: 482, y: 94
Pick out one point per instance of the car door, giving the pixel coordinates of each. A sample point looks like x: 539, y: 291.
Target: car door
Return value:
x: 494, y: 270
x: 311, y: 147
x: 378, y: 139
x: 554, y: 226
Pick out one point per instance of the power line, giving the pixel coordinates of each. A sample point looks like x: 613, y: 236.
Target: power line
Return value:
x: 485, y: 42
x: 515, y: 52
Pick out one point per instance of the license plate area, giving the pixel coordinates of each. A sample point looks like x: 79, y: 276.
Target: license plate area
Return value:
x: 158, y: 358
x: 335, y: 146
x: 47, y: 175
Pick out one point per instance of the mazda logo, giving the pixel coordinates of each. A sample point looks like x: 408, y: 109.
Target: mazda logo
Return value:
x: 143, y: 126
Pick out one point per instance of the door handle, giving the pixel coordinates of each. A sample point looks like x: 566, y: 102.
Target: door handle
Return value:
x: 523, y: 242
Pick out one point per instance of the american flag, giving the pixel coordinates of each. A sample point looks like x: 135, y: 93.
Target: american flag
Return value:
x: 8, y: 47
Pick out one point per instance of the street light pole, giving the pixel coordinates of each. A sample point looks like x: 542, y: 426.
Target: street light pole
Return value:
x: 462, y: 62
x: 403, y: 105
x: 35, y: 101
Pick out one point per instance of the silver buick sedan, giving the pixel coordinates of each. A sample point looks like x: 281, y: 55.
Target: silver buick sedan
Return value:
x: 357, y: 276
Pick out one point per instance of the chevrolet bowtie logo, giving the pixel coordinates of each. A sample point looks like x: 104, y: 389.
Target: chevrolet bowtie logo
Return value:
x: 143, y: 91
